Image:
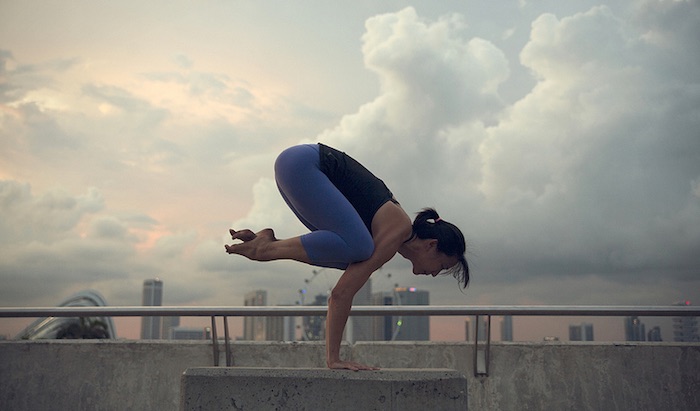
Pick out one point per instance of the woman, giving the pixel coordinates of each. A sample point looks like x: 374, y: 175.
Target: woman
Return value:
x: 356, y: 225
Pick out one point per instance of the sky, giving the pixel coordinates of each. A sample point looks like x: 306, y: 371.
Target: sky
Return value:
x: 563, y: 138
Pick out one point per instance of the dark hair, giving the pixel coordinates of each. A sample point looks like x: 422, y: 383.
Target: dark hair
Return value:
x: 428, y: 224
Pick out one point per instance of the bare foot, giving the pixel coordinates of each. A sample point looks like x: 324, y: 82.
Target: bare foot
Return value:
x: 253, y: 246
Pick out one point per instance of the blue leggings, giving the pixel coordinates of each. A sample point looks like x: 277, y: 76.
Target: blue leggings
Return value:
x: 338, y: 236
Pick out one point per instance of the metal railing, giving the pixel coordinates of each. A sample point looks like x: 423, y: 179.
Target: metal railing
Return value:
x: 481, y: 356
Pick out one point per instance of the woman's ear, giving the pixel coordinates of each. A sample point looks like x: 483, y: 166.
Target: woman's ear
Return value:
x: 432, y: 244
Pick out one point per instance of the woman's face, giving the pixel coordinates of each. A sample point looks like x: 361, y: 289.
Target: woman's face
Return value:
x: 430, y: 261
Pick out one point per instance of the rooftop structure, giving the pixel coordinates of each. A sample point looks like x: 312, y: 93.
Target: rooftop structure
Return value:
x: 73, y: 327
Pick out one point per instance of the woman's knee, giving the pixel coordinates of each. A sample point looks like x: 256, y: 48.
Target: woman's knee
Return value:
x: 361, y: 250
x: 324, y: 246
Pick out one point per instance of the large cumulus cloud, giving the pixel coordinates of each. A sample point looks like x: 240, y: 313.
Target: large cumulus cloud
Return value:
x: 572, y: 164
x: 595, y: 169
x: 593, y: 173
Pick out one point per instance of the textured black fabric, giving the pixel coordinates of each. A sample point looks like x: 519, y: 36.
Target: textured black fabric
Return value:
x: 364, y: 190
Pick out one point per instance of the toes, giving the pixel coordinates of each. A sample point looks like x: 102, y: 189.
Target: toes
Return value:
x: 243, y: 235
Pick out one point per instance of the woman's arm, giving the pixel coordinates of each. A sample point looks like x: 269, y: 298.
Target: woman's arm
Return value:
x: 339, y: 305
x: 391, y: 227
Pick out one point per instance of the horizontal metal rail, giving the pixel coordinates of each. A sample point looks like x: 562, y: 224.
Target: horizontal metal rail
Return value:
x: 481, y: 354
x: 295, y: 311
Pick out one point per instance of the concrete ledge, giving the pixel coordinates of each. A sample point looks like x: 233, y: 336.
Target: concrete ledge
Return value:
x: 237, y: 388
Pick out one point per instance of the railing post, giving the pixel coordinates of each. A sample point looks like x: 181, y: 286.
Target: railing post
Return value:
x: 214, y: 341
x: 476, y: 344
x: 482, y: 357
x: 229, y: 356
x: 488, y: 345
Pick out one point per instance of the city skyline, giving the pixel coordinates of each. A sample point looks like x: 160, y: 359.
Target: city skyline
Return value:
x: 685, y: 329
x: 561, y: 137
x: 631, y: 328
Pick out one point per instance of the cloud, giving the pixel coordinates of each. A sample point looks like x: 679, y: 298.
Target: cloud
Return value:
x: 591, y: 173
x: 567, y: 151
x: 434, y: 80
x: 27, y: 218
x: 55, y: 240
x: 430, y: 70
x: 594, y: 167
x: 25, y: 78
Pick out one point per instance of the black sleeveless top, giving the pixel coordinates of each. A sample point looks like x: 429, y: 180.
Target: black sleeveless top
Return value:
x: 364, y: 190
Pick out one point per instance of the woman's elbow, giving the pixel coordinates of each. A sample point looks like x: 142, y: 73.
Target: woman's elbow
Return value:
x: 340, y: 295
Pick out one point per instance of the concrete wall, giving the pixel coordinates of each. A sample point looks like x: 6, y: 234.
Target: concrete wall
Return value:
x: 139, y: 375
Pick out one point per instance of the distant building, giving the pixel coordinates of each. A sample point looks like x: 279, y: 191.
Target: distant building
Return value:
x: 254, y: 328
x: 314, y: 327
x: 685, y: 329
x: 402, y: 328
x: 654, y: 334
x: 634, y: 329
x: 467, y: 328
x: 266, y: 328
x: 414, y: 328
x: 280, y: 329
x: 470, y: 325
x: 582, y: 332
x: 189, y: 333
x: 169, y: 323
x: 383, y: 327
x: 152, y: 296
x: 361, y: 327
x: 507, y: 328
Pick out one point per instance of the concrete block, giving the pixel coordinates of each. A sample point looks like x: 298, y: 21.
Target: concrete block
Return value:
x: 238, y: 388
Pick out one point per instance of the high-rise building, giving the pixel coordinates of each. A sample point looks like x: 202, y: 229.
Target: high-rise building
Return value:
x: 402, y: 328
x: 266, y: 328
x: 254, y: 328
x: 361, y: 327
x: 189, y: 333
x: 582, y: 332
x: 383, y: 327
x: 314, y: 327
x: 478, y: 326
x: 168, y: 324
x: 467, y: 329
x: 685, y: 329
x: 654, y: 334
x: 634, y: 329
x: 280, y: 329
x: 152, y: 296
x: 507, y: 328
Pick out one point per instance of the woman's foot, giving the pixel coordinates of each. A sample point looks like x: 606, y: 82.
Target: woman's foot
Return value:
x: 254, y: 246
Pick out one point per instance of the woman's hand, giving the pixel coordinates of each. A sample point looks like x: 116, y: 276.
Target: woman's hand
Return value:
x: 391, y: 226
x: 349, y: 365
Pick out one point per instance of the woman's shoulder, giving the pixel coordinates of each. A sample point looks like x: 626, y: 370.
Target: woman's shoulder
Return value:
x: 391, y: 221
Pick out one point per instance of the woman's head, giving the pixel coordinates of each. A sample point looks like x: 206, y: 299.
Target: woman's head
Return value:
x: 449, y: 242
